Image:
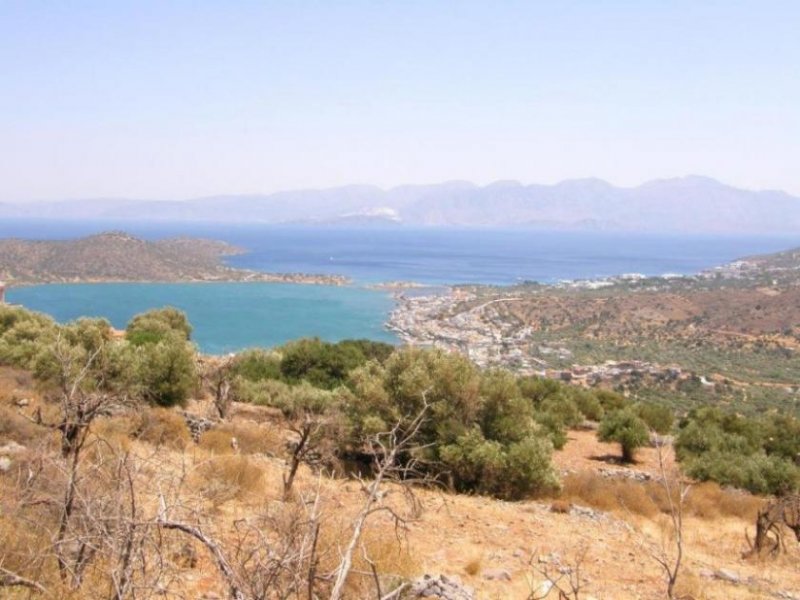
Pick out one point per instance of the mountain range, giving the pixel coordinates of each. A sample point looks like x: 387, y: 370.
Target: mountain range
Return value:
x: 691, y: 204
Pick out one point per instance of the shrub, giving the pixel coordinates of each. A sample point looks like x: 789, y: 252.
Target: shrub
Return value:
x: 23, y: 335
x: 757, y: 473
x: 256, y: 365
x: 588, y: 404
x: 480, y: 430
x: 537, y: 389
x: 264, y: 392
x: 611, y: 401
x: 152, y: 326
x: 782, y: 437
x: 166, y: 370
x: 320, y: 363
x: 625, y: 428
x: 488, y: 467
x: 758, y: 455
x: 657, y: 417
x: 554, y: 428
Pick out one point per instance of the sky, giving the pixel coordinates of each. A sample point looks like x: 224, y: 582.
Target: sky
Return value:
x: 172, y: 100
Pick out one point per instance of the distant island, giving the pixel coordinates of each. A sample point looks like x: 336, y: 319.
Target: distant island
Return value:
x: 119, y: 257
x: 692, y: 204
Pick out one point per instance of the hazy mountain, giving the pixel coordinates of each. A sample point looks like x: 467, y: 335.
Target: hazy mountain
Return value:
x: 688, y: 204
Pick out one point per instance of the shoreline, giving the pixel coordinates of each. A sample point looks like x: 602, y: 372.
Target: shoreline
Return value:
x: 288, y: 278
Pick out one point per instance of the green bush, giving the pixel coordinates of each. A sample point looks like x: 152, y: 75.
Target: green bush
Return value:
x: 782, y: 437
x: 318, y: 362
x: 625, y: 428
x: 165, y: 371
x: 611, y: 401
x: 657, y: 417
x: 480, y: 430
x: 537, y: 389
x: 757, y: 454
x: 256, y: 364
x: 758, y: 473
x: 263, y: 392
x: 23, y: 336
x: 588, y: 404
x: 152, y: 326
x: 161, y: 357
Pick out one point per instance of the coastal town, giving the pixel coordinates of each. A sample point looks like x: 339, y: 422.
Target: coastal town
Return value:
x: 490, y: 340
x: 611, y: 332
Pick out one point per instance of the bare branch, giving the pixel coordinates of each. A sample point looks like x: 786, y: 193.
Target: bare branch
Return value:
x: 11, y: 579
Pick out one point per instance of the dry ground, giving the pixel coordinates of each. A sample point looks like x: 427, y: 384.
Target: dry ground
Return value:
x: 472, y: 537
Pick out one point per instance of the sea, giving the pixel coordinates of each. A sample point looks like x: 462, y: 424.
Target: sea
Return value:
x: 230, y: 316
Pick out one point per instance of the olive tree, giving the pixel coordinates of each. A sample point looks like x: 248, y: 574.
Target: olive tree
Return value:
x: 625, y: 428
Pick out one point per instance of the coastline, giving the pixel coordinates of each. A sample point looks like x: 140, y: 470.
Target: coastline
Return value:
x: 536, y: 328
x: 241, y: 277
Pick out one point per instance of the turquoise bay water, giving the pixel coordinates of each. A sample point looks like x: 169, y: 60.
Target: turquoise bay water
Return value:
x: 226, y: 316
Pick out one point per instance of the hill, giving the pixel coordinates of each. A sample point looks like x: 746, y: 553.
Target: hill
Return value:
x: 117, y: 256
x: 689, y: 204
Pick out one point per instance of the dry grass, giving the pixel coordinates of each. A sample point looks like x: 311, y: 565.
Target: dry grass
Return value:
x: 608, y: 494
x: 709, y: 501
x: 15, y: 427
x: 648, y: 499
x: 225, y: 478
x: 251, y: 438
x: 162, y: 427
x: 15, y: 385
x: 217, y: 441
x: 391, y: 557
x: 116, y: 431
x: 690, y: 585
x: 561, y: 506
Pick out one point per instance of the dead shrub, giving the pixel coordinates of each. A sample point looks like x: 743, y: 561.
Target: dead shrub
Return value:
x: 227, y: 477
x: 162, y: 427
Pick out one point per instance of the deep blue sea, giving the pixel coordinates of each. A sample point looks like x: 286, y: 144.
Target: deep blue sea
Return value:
x: 231, y: 316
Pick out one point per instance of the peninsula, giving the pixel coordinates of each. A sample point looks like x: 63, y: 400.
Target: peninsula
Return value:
x: 119, y: 257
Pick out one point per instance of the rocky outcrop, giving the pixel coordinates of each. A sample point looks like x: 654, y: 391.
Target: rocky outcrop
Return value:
x: 442, y: 587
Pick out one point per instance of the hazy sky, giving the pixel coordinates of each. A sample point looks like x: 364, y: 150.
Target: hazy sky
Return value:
x: 181, y: 99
